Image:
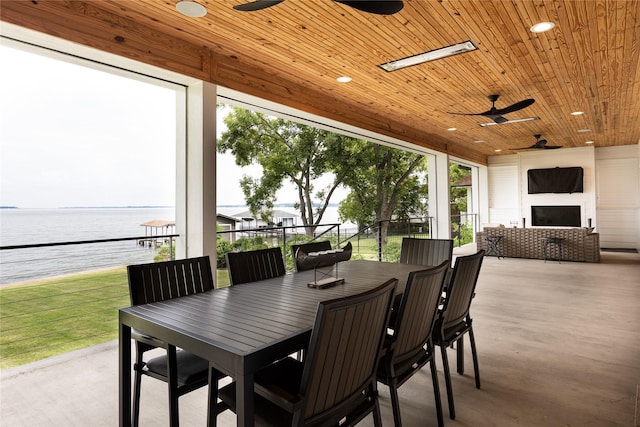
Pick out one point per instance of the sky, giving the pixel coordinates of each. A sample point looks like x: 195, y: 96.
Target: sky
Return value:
x: 73, y: 136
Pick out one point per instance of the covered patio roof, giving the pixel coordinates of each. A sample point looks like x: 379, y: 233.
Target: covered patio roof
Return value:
x: 293, y: 52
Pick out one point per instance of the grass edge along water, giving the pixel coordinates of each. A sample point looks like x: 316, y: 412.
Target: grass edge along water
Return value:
x: 48, y: 317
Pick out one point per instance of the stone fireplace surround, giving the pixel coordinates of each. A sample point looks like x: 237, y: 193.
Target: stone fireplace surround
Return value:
x: 579, y: 244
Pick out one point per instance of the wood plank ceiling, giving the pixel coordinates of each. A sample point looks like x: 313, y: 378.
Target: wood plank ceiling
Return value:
x: 293, y: 52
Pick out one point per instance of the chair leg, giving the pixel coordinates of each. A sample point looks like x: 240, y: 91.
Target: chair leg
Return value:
x: 172, y: 382
x: 474, y: 354
x: 135, y: 411
x: 460, y: 356
x: 436, y: 391
x: 395, y: 404
x: 447, y: 380
x: 377, y: 418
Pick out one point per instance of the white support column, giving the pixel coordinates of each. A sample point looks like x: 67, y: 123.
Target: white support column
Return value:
x: 196, y: 174
x: 480, y: 188
x: 439, y: 195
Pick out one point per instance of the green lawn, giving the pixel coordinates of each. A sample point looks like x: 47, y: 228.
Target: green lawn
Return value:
x: 49, y: 317
x: 54, y: 316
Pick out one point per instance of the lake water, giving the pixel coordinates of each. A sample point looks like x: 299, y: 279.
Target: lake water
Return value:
x: 36, y: 226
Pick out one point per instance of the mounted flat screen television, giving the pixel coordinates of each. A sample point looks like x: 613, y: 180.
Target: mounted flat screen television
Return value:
x: 555, y: 216
x: 555, y: 180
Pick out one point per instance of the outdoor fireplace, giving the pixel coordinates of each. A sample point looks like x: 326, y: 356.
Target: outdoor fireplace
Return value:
x: 556, y: 216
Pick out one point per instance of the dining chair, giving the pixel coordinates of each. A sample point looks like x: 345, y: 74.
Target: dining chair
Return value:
x: 454, y: 320
x: 323, y: 245
x: 425, y: 251
x: 409, y: 346
x: 336, y: 383
x: 181, y: 370
x: 429, y: 252
x: 252, y: 266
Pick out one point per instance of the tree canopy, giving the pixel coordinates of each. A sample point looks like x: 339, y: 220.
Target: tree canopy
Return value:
x: 389, y: 184
x: 384, y: 182
x: 287, y: 151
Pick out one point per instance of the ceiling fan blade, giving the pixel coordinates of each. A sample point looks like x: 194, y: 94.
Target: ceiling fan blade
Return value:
x: 515, y: 107
x: 538, y: 147
x: 380, y: 7
x: 466, y: 114
x: 531, y: 147
x: 256, y: 5
x: 496, y: 114
x: 489, y: 114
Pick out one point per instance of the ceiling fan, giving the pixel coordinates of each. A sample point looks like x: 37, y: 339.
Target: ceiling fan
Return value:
x: 380, y: 7
x: 496, y: 114
x: 540, y: 144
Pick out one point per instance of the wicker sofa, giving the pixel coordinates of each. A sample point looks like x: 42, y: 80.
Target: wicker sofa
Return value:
x: 579, y: 244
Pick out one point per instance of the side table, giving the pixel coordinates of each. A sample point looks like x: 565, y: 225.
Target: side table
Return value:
x: 493, y: 246
x: 555, y: 241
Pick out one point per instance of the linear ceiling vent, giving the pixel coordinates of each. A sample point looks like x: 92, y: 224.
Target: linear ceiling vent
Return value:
x: 428, y: 56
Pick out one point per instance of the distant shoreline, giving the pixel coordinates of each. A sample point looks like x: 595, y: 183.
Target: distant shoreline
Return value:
x: 92, y: 207
x: 281, y: 205
x: 59, y: 276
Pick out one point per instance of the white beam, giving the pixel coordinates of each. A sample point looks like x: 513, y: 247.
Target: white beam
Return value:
x: 439, y: 195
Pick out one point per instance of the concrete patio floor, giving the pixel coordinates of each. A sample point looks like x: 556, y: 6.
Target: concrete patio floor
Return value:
x: 558, y: 343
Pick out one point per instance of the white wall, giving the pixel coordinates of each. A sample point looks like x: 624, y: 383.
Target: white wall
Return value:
x: 618, y: 196
x: 611, y: 197
x: 571, y: 157
x: 504, y: 198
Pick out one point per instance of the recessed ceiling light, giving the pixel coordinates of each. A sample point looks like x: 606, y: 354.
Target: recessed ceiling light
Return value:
x: 497, y: 150
x: 479, y: 141
x: 428, y: 56
x: 344, y: 79
x: 577, y: 113
x: 585, y: 130
x: 541, y: 27
x: 526, y: 119
x: 588, y: 142
x: 191, y: 8
x: 452, y: 129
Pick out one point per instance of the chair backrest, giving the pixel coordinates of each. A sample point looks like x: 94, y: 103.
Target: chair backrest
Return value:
x: 323, y: 245
x: 160, y: 281
x: 426, y: 251
x: 252, y: 266
x: 417, y: 312
x: 460, y: 290
x: 343, y: 352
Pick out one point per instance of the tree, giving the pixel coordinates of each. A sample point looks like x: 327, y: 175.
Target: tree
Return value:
x: 392, y: 184
x: 287, y: 151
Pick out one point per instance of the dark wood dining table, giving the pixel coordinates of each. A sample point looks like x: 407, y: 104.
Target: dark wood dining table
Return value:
x: 243, y: 328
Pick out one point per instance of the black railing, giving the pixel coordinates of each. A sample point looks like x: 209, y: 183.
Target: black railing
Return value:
x: 141, y: 240
x: 269, y: 236
x: 39, y: 260
x: 381, y: 240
